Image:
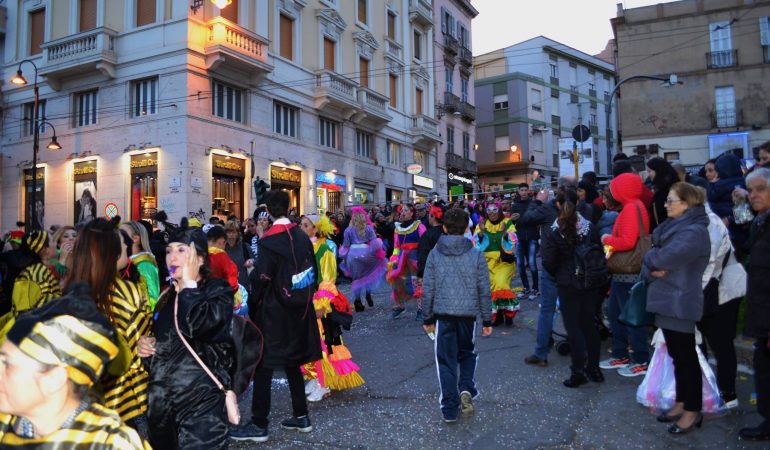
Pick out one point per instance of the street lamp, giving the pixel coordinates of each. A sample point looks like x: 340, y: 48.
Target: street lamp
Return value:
x: 197, y: 4
x: 672, y: 80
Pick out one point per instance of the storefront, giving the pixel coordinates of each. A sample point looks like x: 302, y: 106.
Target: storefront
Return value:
x: 421, y: 183
x: 363, y: 193
x: 84, y: 176
x: 459, y: 184
x: 329, y: 190
x: 393, y: 196
x: 144, y: 185
x: 227, y: 175
x: 38, y: 222
x: 289, y: 181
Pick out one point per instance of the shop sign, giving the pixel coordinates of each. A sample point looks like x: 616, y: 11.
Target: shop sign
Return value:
x: 285, y: 175
x: 227, y: 165
x: 329, y: 178
x: 39, y: 174
x: 455, y: 178
x: 144, y: 163
x: 421, y: 181
x: 413, y: 169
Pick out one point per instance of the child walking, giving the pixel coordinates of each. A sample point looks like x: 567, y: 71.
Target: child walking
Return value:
x: 455, y: 292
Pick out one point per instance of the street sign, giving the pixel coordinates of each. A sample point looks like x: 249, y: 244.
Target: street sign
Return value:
x: 110, y: 210
x: 413, y: 169
x: 581, y: 133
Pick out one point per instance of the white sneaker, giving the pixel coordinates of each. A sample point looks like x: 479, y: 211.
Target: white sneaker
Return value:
x: 731, y: 404
x: 318, y: 394
x: 311, y: 386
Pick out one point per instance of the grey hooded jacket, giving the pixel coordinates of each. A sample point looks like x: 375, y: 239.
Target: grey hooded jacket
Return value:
x: 456, y: 282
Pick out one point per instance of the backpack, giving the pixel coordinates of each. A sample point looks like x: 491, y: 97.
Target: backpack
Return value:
x: 591, y: 270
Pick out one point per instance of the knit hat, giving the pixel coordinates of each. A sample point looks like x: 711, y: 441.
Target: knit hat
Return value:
x: 264, y: 215
x: 70, y: 332
x: 36, y: 240
x: 192, y: 236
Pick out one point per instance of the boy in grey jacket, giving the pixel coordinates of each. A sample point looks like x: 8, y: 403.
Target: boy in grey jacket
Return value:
x: 455, y: 291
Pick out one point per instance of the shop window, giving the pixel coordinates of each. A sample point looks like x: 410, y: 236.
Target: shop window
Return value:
x: 38, y: 220
x: 144, y: 186
x: 144, y: 97
x: 285, y: 119
x: 85, y: 108
x: 227, y: 101
x: 227, y: 186
x: 28, y: 117
x: 84, y: 175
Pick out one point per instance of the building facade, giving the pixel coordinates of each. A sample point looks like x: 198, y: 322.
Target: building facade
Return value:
x: 180, y: 106
x: 454, y: 81
x: 530, y: 96
x: 720, y: 51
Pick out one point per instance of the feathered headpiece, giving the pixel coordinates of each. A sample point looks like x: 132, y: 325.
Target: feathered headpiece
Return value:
x: 324, y: 227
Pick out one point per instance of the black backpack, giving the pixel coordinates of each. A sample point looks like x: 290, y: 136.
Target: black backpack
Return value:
x: 591, y: 270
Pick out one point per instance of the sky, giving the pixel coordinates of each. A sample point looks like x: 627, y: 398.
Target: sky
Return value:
x: 580, y: 24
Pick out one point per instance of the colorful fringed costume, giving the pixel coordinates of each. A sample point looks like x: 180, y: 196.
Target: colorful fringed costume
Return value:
x: 336, y: 370
x: 402, y: 267
x: 149, y: 281
x: 363, y: 256
x: 498, y: 243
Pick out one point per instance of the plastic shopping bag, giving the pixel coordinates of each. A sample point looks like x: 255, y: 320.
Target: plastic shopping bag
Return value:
x: 712, y: 400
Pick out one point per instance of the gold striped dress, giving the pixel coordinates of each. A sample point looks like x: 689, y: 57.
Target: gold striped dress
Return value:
x: 34, y: 286
x: 127, y: 394
x: 94, y: 427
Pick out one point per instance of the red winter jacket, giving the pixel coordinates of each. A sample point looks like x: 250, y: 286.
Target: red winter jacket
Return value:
x: 627, y: 189
x: 223, y: 267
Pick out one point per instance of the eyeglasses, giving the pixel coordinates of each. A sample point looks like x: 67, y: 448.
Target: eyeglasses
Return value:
x: 670, y: 201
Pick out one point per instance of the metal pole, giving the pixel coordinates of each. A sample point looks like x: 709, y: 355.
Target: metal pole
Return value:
x: 35, y: 147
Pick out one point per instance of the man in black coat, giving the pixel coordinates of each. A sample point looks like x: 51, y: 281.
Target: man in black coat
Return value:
x: 281, y: 304
x: 529, y: 241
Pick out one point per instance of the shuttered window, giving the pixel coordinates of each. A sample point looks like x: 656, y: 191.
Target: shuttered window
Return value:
x: 391, y: 25
x: 328, y: 54
x: 287, y: 37
x: 363, y: 65
x: 362, y: 11
x: 393, y: 80
x: 145, y: 12
x: 87, y: 15
x: 36, y: 31
x: 418, y: 101
x: 230, y: 12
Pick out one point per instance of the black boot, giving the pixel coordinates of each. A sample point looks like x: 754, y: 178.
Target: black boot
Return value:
x: 595, y: 374
x: 498, y: 318
x: 358, y: 305
x: 369, y: 300
x: 578, y: 378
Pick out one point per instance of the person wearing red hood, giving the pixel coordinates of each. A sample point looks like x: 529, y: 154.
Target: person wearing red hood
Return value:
x: 626, y: 189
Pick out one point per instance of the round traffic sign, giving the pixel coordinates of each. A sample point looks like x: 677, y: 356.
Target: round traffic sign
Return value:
x: 581, y: 133
x: 110, y: 210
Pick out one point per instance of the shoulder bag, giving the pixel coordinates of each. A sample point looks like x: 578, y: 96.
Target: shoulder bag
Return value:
x: 630, y: 262
x: 634, y: 313
x: 231, y: 400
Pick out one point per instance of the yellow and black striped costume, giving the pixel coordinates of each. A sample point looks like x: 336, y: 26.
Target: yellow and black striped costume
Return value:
x: 127, y: 394
x: 94, y: 428
x: 34, y: 286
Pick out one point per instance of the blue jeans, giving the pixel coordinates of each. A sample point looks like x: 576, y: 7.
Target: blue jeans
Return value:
x: 548, y: 297
x: 622, y: 335
x: 455, y: 345
x: 526, y: 255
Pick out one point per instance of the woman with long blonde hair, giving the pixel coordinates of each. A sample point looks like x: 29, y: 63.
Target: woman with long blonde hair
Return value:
x: 363, y: 257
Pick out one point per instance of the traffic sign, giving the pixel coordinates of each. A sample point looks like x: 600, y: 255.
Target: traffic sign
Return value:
x: 110, y: 210
x: 581, y: 133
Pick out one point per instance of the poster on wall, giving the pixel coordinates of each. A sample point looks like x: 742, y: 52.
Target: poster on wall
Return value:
x: 85, y: 201
x: 566, y: 161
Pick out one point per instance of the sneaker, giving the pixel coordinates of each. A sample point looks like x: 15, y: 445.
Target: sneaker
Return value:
x: 301, y: 424
x: 449, y: 418
x: 615, y: 363
x: 397, y: 313
x: 535, y: 361
x: 248, y: 432
x: 418, y: 317
x: 466, y: 402
x: 730, y: 399
x: 533, y: 294
x: 523, y: 294
x: 634, y: 370
x: 311, y: 386
x: 318, y: 393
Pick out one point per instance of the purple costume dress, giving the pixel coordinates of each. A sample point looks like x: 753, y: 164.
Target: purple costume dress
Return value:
x: 363, y: 260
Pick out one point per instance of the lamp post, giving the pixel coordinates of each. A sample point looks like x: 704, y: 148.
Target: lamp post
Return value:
x: 670, y: 81
x: 19, y: 80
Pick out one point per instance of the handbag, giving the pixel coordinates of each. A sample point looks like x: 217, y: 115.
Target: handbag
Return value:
x: 630, y: 262
x: 635, y: 313
x: 231, y: 400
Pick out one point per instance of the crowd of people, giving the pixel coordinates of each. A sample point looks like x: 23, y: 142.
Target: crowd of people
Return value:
x: 142, y: 333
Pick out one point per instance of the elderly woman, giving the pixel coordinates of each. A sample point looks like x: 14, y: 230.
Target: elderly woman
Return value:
x: 758, y: 317
x: 674, y: 269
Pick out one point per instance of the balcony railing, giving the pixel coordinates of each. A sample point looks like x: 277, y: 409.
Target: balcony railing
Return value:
x: 424, y: 130
x: 451, y: 102
x: 451, y: 45
x: 240, y: 46
x: 90, y: 49
x: 456, y: 161
x: 334, y: 88
x: 554, y: 81
x: 421, y: 12
x: 721, y: 59
x: 592, y: 93
x: 374, y: 105
x: 726, y: 118
x: 393, y: 49
x: 468, y: 111
x: 466, y: 56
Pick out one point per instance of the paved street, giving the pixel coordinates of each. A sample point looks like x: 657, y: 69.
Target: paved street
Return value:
x: 520, y: 406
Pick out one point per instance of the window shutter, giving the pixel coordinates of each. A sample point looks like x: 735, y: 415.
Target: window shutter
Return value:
x: 287, y: 37
x: 328, y: 54
x: 37, y: 31
x: 443, y: 20
x: 764, y: 30
x: 87, y: 15
x: 393, y: 90
x: 418, y: 102
x: 145, y: 12
x: 363, y: 66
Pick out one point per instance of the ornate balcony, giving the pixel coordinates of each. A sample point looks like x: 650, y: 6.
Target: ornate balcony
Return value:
x: 82, y: 52
x: 424, y: 131
x: 727, y: 118
x: 394, y: 50
x: 721, y: 59
x: 421, y: 12
x: 451, y: 45
x: 455, y: 161
x: 466, y: 57
x: 333, y: 90
x: 231, y: 44
x: 451, y: 102
x: 374, y: 106
x: 468, y: 111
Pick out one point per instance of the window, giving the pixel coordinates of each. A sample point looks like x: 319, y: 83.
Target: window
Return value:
x: 362, y: 12
x: 87, y: 15
x: 29, y: 117
x: 144, y: 97
x: 536, y: 97
x: 329, y: 130
x: 145, y: 12
x: 449, y: 79
x: 724, y: 106
x: 450, y: 139
x: 36, y: 31
x: 329, y: 54
x: 418, y: 101
x: 363, y: 144
x: 391, y: 25
x: 363, y: 72
x: 464, y: 89
x: 230, y: 12
x: 393, y: 90
x: 537, y: 142
x: 286, y: 48
x: 85, y: 108
x: 592, y: 120
x: 502, y: 144
x: 419, y: 158
x: 721, y: 45
x: 464, y: 36
x: 554, y: 106
x: 393, y: 153
x: 573, y: 78
x: 227, y: 101
x: 764, y: 37
x: 466, y: 146
x: 285, y: 119
x: 591, y: 86
x: 447, y: 23
x: 417, y: 42
x: 500, y: 102
x: 554, y: 70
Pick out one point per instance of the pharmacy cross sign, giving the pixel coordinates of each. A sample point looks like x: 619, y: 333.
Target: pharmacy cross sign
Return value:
x: 110, y: 210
